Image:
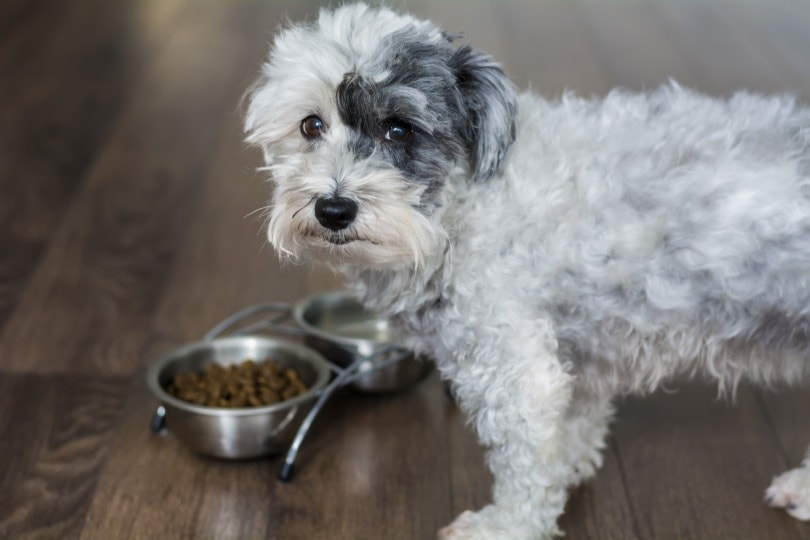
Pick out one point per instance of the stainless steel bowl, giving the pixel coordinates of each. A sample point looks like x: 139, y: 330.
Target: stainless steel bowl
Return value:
x: 237, y: 432
x: 340, y: 328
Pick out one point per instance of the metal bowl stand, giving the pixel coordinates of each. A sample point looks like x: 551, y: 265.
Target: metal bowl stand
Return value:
x: 361, y: 367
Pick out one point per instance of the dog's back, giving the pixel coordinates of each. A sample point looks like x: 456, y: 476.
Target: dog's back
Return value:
x: 667, y: 228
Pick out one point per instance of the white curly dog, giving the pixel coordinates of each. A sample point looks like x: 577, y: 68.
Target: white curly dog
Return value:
x: 549, y: 255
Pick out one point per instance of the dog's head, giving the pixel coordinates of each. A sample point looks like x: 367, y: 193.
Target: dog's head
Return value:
x: 364, y: 118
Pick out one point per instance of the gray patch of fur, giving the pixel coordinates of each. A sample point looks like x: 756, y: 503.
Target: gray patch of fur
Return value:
x: 453, y: 100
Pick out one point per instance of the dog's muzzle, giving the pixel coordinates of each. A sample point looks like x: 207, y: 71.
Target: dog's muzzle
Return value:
x: 335, y: 213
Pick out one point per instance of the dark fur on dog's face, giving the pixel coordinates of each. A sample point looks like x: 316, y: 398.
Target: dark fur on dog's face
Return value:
x: 364, y: 117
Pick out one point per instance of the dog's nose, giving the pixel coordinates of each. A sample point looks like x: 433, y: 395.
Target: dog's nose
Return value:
x: 335, y: 213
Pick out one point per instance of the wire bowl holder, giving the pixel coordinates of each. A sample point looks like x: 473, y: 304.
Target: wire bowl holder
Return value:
x: 350, y: 360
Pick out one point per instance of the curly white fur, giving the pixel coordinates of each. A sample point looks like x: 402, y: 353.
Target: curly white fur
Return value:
x: 548, y: 255
x: 791, y: 491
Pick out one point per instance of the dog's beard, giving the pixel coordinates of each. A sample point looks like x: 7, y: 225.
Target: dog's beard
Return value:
x: 389, y: 230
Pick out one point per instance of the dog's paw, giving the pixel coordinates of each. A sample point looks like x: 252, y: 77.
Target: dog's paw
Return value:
x: 463, y: 528
x: 791, y: 491
x: 483, y: 525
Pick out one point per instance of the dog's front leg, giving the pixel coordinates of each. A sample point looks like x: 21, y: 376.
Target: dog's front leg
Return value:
x: 516, y: 393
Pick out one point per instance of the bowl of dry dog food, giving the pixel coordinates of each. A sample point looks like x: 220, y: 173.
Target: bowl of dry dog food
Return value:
x: 238, y: 396
x: 249, y: 394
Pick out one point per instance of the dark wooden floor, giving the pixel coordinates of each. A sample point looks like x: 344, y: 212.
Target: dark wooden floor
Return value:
x: 124, y: 196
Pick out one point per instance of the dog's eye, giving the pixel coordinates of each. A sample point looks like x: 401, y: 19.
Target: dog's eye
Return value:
x: 312, y: 127
x: 398, y: 132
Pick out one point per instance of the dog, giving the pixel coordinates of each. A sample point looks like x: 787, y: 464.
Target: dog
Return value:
x: 549, y: 255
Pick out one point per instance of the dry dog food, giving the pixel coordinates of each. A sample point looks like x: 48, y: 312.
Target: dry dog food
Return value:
x: 249, y: 384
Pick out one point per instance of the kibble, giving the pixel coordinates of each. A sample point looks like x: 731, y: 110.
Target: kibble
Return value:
x: 248, y: 384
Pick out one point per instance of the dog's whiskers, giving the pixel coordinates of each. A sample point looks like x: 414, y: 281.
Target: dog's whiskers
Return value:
x: 309, y: 202
x: 262, y: 209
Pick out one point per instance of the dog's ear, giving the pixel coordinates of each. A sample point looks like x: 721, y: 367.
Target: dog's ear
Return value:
x: 490, y: 106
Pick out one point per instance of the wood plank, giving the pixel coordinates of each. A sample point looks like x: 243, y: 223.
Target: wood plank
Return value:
x: 56, y: 431
x: 549, y: 51
x: 55, y: 112
x: 600, y: 508
x: 696, y: 468
x: 28, y: 28
x: 41, y: 31
x: 786, y: 414
x: 614, y: 33
x: 151, y: 487
x: 372, y: 467
x: 714, y: 52
x: 18, y: 258
x: 541, y: 45
x: 16, y: 14
x: 225, y: 264
x: 386, y: 457
x: 89, y: 305
x: 474, y: 25
x: 779, y: 31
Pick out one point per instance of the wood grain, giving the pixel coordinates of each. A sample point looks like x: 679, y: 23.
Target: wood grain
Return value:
x: 559, y: 59
x: 58, y: 102
x: 600, y: 507
x: 718, y: 55
x: 127, y: 228
x: 61, y: 429
x: 373, y: 466
x: 703, y: 459
x: 612, y: 33
x: 785, y: 413
x: 96, y: 289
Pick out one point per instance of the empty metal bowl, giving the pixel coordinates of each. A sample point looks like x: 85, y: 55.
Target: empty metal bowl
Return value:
x: 339, y: 327
x: 237, y: 432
